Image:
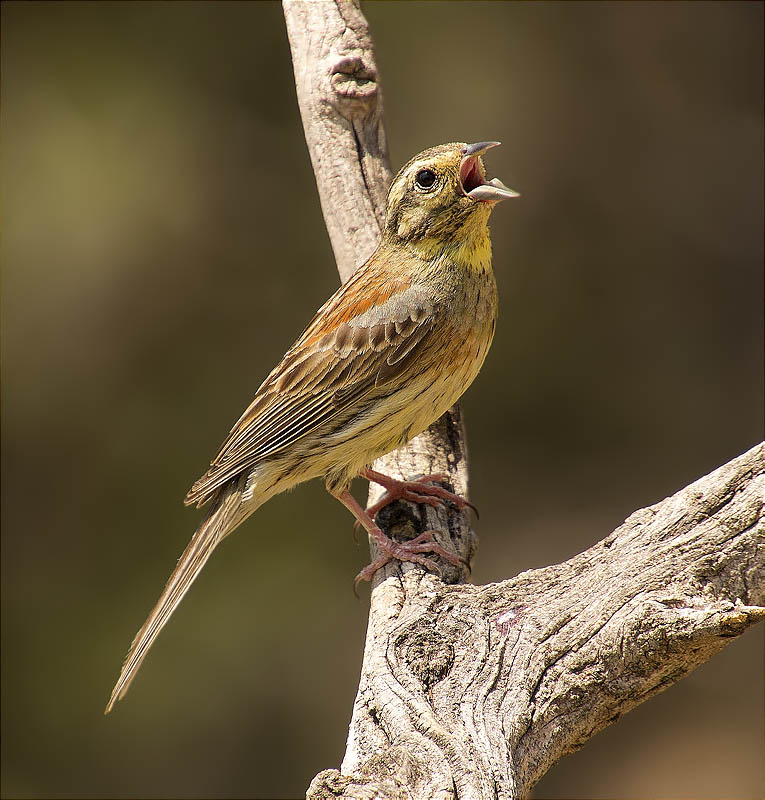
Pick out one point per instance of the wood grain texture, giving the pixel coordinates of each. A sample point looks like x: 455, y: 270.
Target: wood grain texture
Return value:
x: 476, y: 691
x: 340, y: 101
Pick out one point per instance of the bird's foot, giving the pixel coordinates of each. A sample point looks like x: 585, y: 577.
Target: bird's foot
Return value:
x: 403, y: 551
x: 406, y: 551
x: 420, y: 490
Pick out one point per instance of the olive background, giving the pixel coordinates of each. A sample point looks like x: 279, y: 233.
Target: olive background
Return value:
x: 163, y: 245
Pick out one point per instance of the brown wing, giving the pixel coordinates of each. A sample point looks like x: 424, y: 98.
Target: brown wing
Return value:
x: 363, y: 337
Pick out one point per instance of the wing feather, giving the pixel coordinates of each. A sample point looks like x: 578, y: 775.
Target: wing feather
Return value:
x: 350, y: 349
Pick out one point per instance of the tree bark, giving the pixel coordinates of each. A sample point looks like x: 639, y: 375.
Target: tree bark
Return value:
x: 475, y: 692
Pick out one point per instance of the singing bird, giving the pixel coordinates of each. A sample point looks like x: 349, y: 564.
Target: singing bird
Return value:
x: 383, y: 358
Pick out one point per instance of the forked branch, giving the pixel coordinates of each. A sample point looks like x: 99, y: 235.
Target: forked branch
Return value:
x: 476, y: 691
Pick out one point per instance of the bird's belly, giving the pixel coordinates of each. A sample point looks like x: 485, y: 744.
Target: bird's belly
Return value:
x: 384, y: 426
x: 341, y: 448
x: 391, y: 421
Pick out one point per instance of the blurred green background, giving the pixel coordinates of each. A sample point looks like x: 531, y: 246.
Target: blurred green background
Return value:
x: 163, y: 245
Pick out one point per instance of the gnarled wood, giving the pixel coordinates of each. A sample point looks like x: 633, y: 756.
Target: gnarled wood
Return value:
x: 476, y: 691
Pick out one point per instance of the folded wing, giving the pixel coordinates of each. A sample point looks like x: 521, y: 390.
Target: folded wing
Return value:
x: 363, y: 338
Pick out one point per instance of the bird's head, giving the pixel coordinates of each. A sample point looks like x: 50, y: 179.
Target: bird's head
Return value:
x: 443, y: 192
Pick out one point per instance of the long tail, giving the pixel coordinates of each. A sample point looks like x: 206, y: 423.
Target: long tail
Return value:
x: 226, y: 514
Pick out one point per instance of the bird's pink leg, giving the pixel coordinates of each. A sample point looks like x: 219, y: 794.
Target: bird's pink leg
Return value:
x: 407, y: 551
x: 420, y: 490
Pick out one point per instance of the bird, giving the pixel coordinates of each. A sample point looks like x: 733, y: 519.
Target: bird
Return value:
x: 388, y: 353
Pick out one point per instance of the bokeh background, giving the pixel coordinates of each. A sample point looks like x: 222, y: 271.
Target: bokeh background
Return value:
x: 163, y: 245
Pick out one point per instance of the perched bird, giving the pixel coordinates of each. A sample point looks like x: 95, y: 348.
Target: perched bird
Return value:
x: 382, y: 359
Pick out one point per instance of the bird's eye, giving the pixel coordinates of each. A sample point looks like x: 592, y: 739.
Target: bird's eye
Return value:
x: 425, y: 178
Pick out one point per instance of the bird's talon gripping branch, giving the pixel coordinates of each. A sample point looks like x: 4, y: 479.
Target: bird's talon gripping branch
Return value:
x: 402, y: 551
x: 369, y: 571
x: 419, y: 490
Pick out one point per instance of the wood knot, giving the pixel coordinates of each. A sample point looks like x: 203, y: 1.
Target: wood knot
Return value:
x: 354, y: 85
x: 428, y: 655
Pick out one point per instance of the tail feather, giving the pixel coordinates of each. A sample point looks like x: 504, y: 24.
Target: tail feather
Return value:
x: 225, y: 515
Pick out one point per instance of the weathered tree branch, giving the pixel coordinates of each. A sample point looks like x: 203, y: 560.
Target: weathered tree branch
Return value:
x: 476, y: 691
x: 340, y: 103
x: 471, y: 691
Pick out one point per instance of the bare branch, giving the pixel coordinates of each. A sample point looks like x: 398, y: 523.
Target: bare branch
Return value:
x: 341, y: 106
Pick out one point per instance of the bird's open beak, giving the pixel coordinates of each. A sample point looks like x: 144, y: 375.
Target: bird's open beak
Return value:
x: 473, y: 178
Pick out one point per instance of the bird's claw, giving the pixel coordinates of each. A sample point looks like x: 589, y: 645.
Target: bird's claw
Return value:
x: 420, y: 490
x: 411, y: 551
